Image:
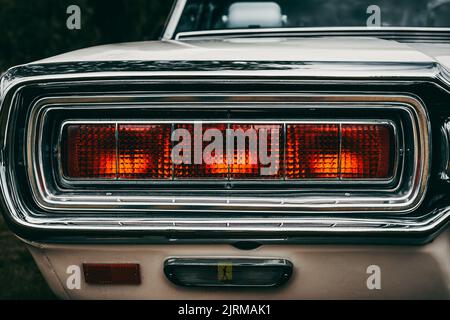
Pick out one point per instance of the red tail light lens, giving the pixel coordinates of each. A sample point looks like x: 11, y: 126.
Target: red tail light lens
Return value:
x: 366, y: 151
x: 253, y: 145
x: 90, y: 151
x: 201, y: 161
x: 312, y: 151
x: 332, y: 151
x: 144, y: 151
x: 297, y: 151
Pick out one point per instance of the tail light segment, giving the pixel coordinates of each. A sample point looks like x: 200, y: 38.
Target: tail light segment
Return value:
x: 347, y: 151
x: 90, y: 151
x: 259, y: 154
x: 195, y: 158
x: 366, y: 151
x: 312, y: 151
x: 144, y: 151
x: 228, y: 151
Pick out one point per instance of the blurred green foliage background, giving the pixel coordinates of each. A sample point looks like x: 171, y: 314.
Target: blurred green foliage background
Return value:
x: 35, y: 29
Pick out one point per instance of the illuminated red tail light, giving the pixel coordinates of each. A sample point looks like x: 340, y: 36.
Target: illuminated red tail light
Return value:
x: 333, y: 151
x: 312, y: 151
x: 247, y: 162
x: 366, y: 151
x: 203, y: 161
x: 144, y: 151
x: 295, y: 151
x: 90, y: 151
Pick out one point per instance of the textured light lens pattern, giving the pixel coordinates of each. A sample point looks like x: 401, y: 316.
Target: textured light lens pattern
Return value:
x: 164, y: 151
x: 89, y: 151
x: 201, y: 151
x: 257, y: 150
x: 144, y: 151
x: 312, y: 151
x: 366, y: 151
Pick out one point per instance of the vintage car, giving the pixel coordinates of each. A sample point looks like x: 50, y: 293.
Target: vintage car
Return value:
x: 261, y: 149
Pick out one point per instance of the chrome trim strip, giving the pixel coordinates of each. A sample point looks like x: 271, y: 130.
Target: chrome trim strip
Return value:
x: 244, y: 226
x: 395, y: 203
x: 296, y: 72
x: 174, y: 18
x: 445, y: 143
x: 305, y: 30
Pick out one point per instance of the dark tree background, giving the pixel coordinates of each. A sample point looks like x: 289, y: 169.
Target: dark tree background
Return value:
x: 35, y: 29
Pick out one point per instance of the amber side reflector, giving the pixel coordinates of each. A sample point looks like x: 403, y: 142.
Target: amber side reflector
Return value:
x: 124, y: 274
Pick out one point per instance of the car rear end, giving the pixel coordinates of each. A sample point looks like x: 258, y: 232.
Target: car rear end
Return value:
x: 225, y: 179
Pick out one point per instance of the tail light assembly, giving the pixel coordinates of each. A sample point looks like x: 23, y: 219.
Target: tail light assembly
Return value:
x: 369, y: 156
x: 304, y: 151
x: 214, y: 162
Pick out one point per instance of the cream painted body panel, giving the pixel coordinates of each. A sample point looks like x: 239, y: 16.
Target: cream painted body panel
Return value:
x: 320, y: 271
x: 323, y: 49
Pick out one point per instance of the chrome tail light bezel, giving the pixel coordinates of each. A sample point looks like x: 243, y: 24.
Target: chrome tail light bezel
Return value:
x: 399, y: 198
x: 185, y: 221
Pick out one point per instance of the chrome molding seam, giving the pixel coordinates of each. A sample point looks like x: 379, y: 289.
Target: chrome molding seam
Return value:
x: 383, y: 32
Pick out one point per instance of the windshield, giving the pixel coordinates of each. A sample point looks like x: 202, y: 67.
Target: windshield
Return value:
x: 203, y: 15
